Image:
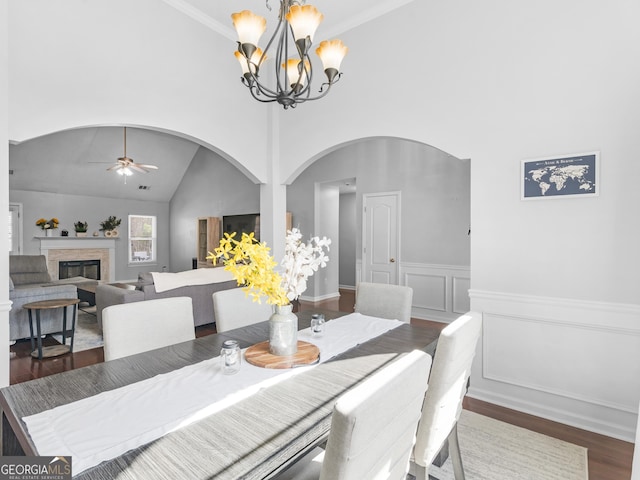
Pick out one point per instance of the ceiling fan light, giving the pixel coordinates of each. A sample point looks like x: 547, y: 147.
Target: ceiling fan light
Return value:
x: 331, y: 52
x: 249, y: 27
x: 304, y: 21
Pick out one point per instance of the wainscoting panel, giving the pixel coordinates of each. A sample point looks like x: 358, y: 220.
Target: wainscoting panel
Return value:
x: 440, y: 292
x: 460, y: 291
x: 429, y: 291
x: 575, y: 362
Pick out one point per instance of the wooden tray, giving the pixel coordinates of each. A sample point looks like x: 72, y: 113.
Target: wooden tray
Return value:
x: 259, y: 356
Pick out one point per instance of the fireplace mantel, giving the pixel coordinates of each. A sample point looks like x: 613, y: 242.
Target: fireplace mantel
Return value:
x: 71, y: 248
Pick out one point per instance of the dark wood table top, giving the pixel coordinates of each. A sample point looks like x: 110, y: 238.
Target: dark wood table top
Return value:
x: 251, y: 439
x: 53, y: 303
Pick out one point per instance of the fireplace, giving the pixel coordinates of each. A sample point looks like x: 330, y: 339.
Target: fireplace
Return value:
x: 79, y: 268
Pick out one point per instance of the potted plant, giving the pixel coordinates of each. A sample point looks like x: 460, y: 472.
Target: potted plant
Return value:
x: 48, y: 225
x: 110, y: 226
x: 80, y: 228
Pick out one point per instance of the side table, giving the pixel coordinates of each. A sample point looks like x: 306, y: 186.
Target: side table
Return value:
x: 49, y: 305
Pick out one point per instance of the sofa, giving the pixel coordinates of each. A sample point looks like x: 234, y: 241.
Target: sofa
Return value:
x: 199, y: 285
x: 29, y: 281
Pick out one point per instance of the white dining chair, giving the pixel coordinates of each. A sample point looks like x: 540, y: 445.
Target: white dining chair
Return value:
x: 443, y: 401
x: 384, y: 301
x: 373, y: 426
x: 234, y: 309
x: 131, y: 328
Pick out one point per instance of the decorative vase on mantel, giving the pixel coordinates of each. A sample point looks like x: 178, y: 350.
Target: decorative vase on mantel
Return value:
x: 283, y: 331
x: 49, y: 232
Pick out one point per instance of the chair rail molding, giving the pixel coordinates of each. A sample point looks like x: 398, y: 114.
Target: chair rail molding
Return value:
x: 572, y: 361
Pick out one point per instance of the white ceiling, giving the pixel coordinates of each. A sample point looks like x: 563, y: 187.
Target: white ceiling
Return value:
x: 75, y: 161
x: 339, y: 15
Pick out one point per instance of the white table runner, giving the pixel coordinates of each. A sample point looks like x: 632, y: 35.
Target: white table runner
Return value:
x: 107, y: 425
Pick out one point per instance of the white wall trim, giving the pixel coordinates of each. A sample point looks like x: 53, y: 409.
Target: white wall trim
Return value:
x: 492, y: 373
x: 623, y: 308
x: 206, y: 20
x: 6, y: 306
x: 584, y: 422
x: 569, y: 360
x: 320, y: 298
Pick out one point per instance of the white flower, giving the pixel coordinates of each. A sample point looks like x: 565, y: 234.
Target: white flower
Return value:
x: 302, y: 260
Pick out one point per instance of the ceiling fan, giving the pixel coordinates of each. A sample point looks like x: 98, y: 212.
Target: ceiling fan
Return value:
x: 126, y: 166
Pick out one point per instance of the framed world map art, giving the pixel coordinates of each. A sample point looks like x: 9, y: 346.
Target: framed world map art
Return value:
x: 561, y: 177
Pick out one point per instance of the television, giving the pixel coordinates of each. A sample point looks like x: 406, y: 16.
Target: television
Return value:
x: 245, y: 223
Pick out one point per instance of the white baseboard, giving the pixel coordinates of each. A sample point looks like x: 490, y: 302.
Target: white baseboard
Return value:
x: 565, y: 417
x: 320, y: 298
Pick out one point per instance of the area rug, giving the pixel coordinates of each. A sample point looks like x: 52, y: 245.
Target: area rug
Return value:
x: 87, y: 334
x: 494, y: 450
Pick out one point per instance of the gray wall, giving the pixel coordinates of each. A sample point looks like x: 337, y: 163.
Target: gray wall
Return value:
x: 435, y: 190
x: 347, y: 236
x: 211, y: 187
x: 71, y: 208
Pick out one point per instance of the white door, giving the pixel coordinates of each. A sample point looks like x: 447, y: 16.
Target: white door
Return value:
x: 381, y: 231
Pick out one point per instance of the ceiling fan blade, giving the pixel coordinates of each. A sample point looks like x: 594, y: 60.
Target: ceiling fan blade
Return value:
x: 144, y: 165
x: 114, y: 167
x: 136, y: 167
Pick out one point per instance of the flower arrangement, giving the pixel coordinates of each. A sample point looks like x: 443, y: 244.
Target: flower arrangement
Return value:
x: 80, y: 226
x: 45, y: 224
x: 111, y: 223
x: 251, y: 265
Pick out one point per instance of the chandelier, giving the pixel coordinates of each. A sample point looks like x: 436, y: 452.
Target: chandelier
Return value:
x: 297, y: 23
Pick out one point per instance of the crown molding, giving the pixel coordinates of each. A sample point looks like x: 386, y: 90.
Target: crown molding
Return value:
x: 201, y: 17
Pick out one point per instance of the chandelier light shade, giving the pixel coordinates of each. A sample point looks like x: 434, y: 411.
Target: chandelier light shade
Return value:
x: 290, y: 45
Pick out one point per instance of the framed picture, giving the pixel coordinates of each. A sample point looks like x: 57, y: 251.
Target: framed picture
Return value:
x: 561, y: 177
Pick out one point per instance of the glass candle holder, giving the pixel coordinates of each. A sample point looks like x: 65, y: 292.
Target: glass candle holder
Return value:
x: 317, y: 324
x: 230, y: 357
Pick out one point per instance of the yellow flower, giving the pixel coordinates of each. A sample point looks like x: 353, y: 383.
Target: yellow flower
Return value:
x: 251, y: 265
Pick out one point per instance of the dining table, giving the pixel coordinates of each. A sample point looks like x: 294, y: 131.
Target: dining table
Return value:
x: 253, y: 437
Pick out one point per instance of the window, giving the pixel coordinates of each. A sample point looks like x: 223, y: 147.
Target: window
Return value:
x: 15, y: 228
x: 142, y: 238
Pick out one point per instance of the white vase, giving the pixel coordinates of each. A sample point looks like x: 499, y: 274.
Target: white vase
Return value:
x: 81, y: 234
x: 283, y: 331
x: 49, y: 232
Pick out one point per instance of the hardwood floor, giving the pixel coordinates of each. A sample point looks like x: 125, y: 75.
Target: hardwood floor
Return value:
x: 609, y: 458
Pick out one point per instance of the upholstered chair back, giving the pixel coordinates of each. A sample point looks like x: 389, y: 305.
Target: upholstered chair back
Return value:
x: 131, y: 328
x: 234, y: 309
x: 384, y: 301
